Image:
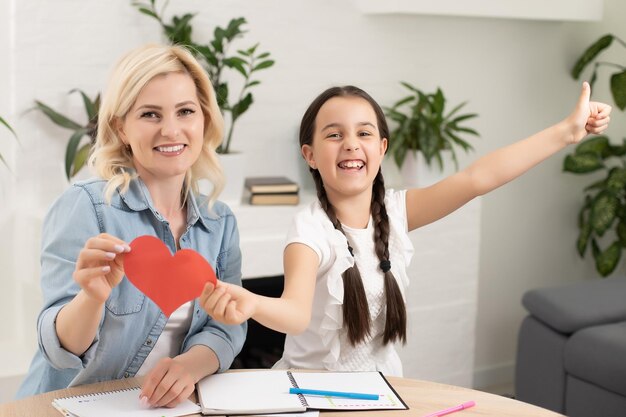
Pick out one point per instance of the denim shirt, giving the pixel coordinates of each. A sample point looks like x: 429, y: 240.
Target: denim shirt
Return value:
x: 131, y: 323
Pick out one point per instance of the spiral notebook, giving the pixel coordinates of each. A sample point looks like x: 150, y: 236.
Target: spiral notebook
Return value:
x: 124, y: 402
x: 262, y: 392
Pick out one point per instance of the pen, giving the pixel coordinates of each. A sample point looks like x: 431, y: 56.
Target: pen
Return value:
x: 353, y: 395
x: 452, y: 409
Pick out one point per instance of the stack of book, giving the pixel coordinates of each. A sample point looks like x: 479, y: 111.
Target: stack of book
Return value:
x: 271, y: 191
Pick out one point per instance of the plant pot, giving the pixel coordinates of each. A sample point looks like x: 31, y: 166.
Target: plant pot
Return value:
x: 234, y: 166
x: 416, y: 173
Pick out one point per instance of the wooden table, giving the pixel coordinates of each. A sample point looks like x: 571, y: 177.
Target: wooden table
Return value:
x: 422, y: 397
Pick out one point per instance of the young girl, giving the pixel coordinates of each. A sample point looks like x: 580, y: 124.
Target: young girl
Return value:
x: 346, y: 256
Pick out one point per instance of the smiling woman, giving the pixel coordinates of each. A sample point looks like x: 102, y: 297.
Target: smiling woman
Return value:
x: 158, y: 130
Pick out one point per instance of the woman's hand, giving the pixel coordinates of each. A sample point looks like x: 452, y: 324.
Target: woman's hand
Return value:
x: 228, y: 303
x: 588, y: 116
x: 167, y: 385
x: 100, y: 266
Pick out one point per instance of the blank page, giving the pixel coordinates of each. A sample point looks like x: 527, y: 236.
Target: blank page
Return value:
x: 119, y: 403
x: 247, y: 392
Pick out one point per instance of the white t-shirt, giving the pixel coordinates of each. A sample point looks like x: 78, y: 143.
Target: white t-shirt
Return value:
x: 324, y: 344
x: 171, y: 339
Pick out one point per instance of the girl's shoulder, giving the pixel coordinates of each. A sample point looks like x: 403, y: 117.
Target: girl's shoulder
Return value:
x: 395, y: 201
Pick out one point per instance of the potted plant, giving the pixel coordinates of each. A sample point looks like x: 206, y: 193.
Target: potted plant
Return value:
x: 422, y: 125
x: 217, y: 58
x: 602, y: 217
x: 214, y: 55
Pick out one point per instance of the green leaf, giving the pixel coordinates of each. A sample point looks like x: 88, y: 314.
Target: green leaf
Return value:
x: 253, y: 83
x: 263, y: 65
x: 463, y: 117
x: 233, y: 30
x: 603, y: 212
x: 410, y: 87
x: 241, y: 107
x: 616, y: 180
x: 618, y: 89
x: 590, y: 54
x: 236, y: 63
x: 596, y: 145
x: 607, y: 260
x: 583, y: 238
x: 221, y: 94
x: 70, y: 151
x: 583, y: 163
x: 8, y: 126
x: 252, y: 49
x: 598, y: 185
x: 402, y: 102
x: 90, y: 108
x: 263, y: 55
x: 467, y: 130
x: 208, y: 54
x: 55, y: 117
x: 456, y: 109
x: 148, y: 12
x: 81, y: 158
x: 621, y: 233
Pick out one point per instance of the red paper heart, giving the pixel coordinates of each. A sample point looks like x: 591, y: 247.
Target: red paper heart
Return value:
x: 169, y: 281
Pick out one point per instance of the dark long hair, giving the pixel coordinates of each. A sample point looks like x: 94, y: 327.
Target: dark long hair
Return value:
x: 355, y: 307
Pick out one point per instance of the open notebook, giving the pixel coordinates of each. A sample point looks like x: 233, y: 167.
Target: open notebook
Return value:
x: 118, y: 403
x: 259, y: 392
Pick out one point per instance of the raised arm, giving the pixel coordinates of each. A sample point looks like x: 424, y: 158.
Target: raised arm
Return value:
x: 289, y: 314
x: 426, y: 205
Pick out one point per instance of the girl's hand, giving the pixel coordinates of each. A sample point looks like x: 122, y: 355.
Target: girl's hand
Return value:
x: 100, y: 266
x: 167, y: 385
x: 588, y: 117
x: 228, y: 303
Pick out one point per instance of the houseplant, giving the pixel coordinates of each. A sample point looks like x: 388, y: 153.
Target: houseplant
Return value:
x: 422, y: 125
x: 602, y: 217
x: 215, y: 57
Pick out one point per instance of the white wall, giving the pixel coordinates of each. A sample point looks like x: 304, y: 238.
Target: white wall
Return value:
x: 513, y: 72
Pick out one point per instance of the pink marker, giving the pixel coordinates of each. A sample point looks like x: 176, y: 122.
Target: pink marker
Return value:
x: 452, y: 409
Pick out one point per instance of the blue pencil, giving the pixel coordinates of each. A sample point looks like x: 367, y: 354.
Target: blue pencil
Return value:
x: 352, y: 395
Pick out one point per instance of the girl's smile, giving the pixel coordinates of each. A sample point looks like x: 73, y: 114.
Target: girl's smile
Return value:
x: 347, y: 149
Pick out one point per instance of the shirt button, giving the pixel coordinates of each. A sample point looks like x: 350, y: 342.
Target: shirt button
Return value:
x: 126, y: 374
x: 149, y: 342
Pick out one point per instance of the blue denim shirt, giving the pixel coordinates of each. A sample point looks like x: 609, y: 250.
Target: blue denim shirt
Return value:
x: 131, y: 323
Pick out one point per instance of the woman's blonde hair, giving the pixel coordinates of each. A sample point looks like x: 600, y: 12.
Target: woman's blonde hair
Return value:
x: 111, y: 159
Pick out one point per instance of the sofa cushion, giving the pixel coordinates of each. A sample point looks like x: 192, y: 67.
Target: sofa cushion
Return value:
x: 597, y: 355
x: 575, y: 306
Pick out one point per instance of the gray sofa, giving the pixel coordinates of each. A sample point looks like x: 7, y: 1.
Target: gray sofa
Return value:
x: 571, y: 355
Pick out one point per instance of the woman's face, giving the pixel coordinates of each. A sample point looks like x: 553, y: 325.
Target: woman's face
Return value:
x: 165, y: 127
x: 347, y: 148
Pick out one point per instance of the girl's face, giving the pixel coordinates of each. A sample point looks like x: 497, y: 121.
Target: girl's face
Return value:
x: 165, y: 127
x: 347, y: 148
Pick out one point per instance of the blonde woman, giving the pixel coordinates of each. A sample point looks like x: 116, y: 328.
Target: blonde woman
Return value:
x: 159, y: 126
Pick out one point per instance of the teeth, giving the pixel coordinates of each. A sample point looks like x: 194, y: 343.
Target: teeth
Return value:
x: 176, y: 148
x: 352, y: 164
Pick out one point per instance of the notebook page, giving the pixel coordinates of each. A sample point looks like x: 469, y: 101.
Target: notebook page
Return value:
x: 247, y: 392
x: 361, y: 382
x: 120, y: 403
